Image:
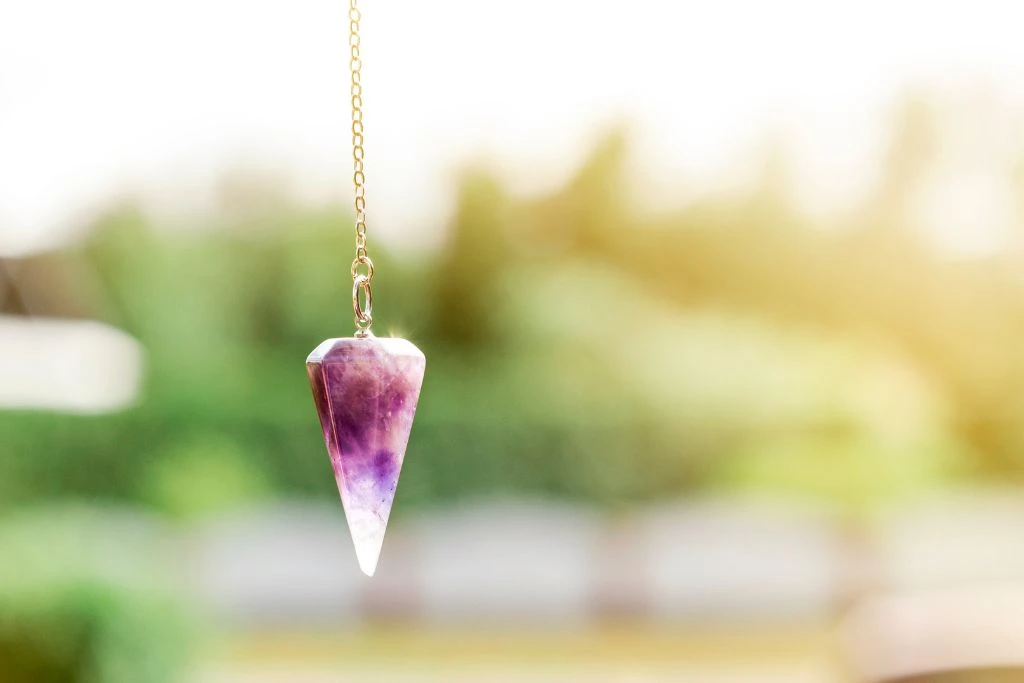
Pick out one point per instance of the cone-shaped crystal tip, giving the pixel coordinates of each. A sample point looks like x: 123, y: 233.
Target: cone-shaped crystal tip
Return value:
x: 366, y: 391
x: 368, y: 551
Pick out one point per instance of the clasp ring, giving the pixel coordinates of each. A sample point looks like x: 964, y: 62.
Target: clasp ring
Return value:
x: 363, y: 311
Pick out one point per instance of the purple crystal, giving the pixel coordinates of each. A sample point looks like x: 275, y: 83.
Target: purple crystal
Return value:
x: 366, y: 390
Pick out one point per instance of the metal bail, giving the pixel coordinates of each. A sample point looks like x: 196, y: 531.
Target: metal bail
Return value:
x: 363, y: 312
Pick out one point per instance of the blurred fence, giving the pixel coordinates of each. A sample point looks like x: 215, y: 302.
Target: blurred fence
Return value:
x: 526, y: 561
x: 522, y: 561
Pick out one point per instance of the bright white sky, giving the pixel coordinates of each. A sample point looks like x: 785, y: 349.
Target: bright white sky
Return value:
x: 156, y: 98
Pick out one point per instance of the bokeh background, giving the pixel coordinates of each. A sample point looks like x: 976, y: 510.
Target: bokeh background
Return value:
x: 722, y: 304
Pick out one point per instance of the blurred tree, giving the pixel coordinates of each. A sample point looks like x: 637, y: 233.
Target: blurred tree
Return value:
x: 576, y: 347
x: 91, y: 604
x: 469, y: 268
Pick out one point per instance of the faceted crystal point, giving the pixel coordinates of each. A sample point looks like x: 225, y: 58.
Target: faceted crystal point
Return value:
x: 366, y: 390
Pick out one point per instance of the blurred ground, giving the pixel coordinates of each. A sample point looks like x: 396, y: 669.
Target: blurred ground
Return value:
x: 616, y: 654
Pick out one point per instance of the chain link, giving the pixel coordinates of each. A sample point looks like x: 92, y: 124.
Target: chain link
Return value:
x: 362, y: 266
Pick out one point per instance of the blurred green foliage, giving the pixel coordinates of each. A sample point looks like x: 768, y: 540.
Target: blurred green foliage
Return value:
x: 77, y: 607
x: 576, y: 347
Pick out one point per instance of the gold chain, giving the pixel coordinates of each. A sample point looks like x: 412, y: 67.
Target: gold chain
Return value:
x: 362, y: 266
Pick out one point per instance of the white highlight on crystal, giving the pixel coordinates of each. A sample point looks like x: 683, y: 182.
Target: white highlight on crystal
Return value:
x: 367, y: 531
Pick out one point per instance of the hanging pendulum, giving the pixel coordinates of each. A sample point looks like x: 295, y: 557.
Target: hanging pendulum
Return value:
x: 365, y: 388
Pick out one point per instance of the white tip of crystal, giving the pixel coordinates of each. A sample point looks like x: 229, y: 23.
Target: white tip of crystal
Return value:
x: 368, y: 551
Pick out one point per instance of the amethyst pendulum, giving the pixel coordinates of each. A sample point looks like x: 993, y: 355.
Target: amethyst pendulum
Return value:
x: 366, y: 390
